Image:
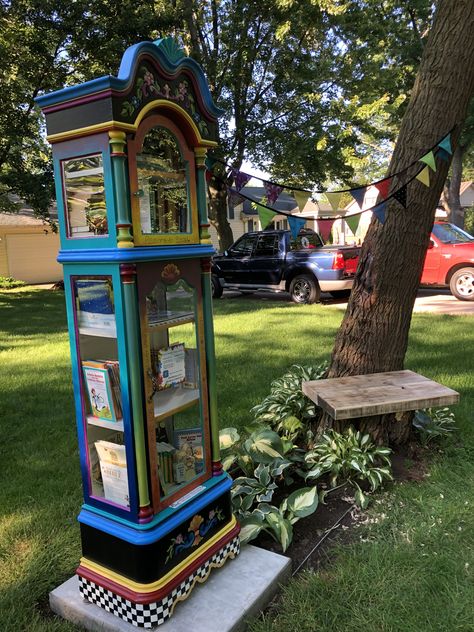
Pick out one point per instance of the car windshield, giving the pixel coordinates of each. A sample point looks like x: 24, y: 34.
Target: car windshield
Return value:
x: 451, y: 234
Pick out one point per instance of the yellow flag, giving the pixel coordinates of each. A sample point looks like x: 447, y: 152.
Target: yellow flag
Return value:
x: 424, y: 176
x: 334, y: 199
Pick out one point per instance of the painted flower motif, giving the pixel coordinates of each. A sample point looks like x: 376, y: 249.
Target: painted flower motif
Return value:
x: 182, y: 89
x: 212, y: 513
x: 135, y: 101
x: 170, y: 273
x: 197, y: 538
x: 166, y: 91
x: 196, y: 522
x: 148, y: 78
x: 196, y: 117
x: 179, y: 539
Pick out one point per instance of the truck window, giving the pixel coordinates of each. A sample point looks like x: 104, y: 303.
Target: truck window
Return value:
x: 267, y: 246
x: 244, y: 246
x: 306, y: 241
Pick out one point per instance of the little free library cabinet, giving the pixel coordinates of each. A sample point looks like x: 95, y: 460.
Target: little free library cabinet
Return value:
x: 129, y: 162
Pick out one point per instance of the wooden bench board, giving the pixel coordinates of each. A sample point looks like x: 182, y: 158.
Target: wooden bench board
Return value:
x: 377, y: 394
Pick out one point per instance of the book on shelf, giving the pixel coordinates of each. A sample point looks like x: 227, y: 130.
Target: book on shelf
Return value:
x: 102, y: 381
x: 165, y: 453
x: 189, y: 451
x: 169, y: 365
x: 95, y: 307
x: 113, y: 469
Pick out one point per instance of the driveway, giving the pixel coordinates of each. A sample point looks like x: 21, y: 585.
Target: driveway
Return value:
x: 435, y: 301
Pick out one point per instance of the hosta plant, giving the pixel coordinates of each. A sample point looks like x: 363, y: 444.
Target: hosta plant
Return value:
x: 350, y: 457
x: 287, y: 408
x: 263, y: 516
x: 433, y: 423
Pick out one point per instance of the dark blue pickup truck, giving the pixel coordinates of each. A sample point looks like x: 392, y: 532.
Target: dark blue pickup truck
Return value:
x: 273, y: 260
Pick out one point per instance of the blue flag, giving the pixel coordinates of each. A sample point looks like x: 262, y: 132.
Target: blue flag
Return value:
x: 379, y: 212
x: 296, y: 224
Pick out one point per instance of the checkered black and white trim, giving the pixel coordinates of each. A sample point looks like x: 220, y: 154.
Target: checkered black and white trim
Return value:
x: 154, y: 614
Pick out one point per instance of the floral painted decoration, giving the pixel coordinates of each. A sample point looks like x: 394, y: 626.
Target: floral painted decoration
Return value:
x: 147, y: 86
x: 197, y: 530
x: 171, y: 273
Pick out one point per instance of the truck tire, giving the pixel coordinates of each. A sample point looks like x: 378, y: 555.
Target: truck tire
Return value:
x: 217, y: 288
x: 462, y: 284
x: 304, y: 288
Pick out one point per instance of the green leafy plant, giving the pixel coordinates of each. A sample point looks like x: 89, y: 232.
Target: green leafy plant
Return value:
x: 8, y: 283
x: 286, y: 408
x: 350, y: 457
x: 433, y: 423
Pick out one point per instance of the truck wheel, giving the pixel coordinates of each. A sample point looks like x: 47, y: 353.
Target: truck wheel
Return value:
x: 462, y: 284
x: 304, y: 289
x: 217, y: 288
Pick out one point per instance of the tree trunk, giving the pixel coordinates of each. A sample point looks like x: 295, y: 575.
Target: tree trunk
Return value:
x: 373, y: 336
x: 218, y: 212
x: 453, y: 190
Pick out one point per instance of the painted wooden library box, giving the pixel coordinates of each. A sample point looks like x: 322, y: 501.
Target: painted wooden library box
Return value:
x: 129, y: 156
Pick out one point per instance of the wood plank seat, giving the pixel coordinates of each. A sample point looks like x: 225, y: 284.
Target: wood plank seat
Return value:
x: 377, y: 394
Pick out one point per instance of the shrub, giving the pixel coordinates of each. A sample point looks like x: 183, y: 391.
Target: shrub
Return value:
x: 8, y: 283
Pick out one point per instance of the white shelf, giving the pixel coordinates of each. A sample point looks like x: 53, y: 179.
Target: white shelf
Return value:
x: 172, y: 400
x: 105, y: 423
x: 102, y: 332
x: 172, y: 321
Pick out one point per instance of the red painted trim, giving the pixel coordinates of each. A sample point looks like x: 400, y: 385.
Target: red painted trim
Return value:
x: 87, y: 99
x: 156, y: 595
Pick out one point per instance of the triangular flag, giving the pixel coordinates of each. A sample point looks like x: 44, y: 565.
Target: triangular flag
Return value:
x: 379, y: 212
x: 240, y: 178
x: 301, y: 198
x: 324, y: 228
x: 334, y: 199
x: 234, y: 198
x: 429, y: 159
x: 424, y: 176
x: 383, y: 187
x: 272, y: 191
x: 443, y: 154
x: 401, y: 195
x: 266, y: 215
x: 296, y: 224
x: 446, y: 144
x: 210, y: 162
x: 353, y: 222
x: 359, y: 195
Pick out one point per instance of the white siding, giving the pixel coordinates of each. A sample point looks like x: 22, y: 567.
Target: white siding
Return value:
x: 32, y: 258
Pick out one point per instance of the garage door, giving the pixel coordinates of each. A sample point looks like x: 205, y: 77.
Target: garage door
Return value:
x: 32, y: 258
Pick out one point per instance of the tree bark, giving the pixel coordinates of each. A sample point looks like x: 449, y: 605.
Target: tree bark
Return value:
x: 218, y: 213
x: 453, y: 189
x: 373, y: 336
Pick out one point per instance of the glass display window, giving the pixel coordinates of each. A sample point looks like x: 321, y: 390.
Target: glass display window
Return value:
x: 84, y: 196
x: 164, y: 203
x: 174, y: 368
x: 94, y: 313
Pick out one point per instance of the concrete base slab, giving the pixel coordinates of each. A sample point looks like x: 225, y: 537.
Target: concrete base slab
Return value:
x: 230, y: 596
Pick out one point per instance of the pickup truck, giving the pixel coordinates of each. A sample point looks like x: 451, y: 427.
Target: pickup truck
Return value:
x: 273, y: 260
x: 450, y: 261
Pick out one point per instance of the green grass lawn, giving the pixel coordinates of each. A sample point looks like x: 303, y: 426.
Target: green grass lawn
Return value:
x: 411, y: 568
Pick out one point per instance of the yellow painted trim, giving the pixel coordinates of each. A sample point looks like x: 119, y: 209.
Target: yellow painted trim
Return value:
x: 132, y: 127
x: 160, y: 583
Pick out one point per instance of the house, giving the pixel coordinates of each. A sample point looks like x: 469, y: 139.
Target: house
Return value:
x: 28, y: 249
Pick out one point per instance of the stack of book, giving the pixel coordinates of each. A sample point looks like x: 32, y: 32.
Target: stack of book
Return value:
x: 102, y: 380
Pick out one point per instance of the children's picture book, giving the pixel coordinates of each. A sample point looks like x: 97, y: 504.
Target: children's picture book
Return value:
x: 102, y: 382
x: 170, y: 366
x: 113, y: 468
x: 189, y: 451
x: 95, y: 307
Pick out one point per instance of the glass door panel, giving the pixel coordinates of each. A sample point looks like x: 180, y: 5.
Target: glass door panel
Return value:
x: 101, y: 393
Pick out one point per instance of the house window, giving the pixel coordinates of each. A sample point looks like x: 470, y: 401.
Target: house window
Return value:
x: 250, y: 226
x: 230, y: 210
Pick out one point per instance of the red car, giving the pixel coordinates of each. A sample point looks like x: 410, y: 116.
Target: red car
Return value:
x: 450, y: 260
